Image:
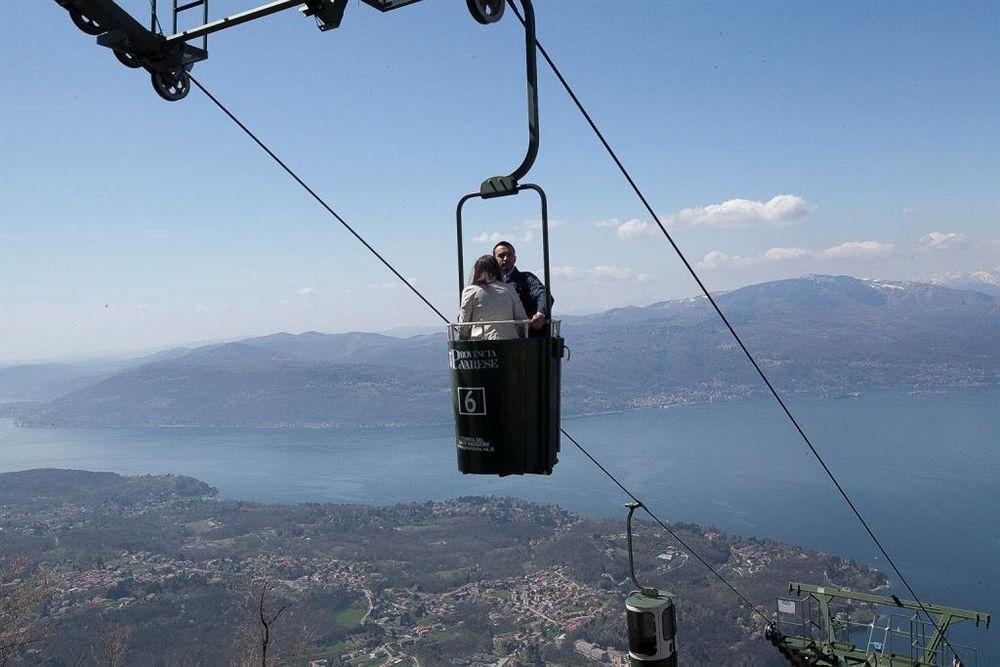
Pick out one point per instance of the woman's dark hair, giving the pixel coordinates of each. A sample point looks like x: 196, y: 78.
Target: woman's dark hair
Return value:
x: 486, y: 270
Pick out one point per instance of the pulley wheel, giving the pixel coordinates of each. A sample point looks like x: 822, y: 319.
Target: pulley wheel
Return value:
x: 127, y: 59
x: 486, y: 11
x: 85, y: 23
x: 173, y: 85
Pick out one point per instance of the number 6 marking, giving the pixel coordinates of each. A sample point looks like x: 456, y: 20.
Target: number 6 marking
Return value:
x: 472, y: 400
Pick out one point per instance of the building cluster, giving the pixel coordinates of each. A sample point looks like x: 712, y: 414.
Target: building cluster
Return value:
x: 600, y: 654
x: 747, y: 559
x: 129, y: 577
x: 532, y: 608
x: 527, y: 611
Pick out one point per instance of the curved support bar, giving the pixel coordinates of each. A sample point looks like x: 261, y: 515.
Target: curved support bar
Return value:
x: 531, y: 72
x: 499, y: 186
x: 632, y: 507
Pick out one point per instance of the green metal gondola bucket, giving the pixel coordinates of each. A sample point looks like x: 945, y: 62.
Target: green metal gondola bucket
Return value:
x: 505, y: 395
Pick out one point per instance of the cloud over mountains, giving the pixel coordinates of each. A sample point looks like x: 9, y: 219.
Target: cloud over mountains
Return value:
x: 733, y: 213
x: 778, y: 210
x: 848, y: 250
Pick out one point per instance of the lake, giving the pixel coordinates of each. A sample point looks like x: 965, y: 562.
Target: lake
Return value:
x: 924, y: 470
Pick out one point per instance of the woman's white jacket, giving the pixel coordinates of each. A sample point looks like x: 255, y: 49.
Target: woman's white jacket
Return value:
x: 491, y: 302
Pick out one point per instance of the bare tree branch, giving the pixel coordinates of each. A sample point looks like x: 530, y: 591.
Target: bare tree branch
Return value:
x: 23, y: 591
x: 256, y: 632
x: 112, y: 643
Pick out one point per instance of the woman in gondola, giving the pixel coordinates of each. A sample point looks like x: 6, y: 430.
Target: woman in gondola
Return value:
x: 489, y: 299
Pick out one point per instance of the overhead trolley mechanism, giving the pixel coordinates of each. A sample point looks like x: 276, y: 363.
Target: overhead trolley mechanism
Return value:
x: 169, y: 58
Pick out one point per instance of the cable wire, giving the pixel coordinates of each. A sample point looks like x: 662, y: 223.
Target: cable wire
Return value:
x: 329, y: 209
x: 753, y: 607
x: 156, y: 18
x: 315, y: 196
x: 725, y: 320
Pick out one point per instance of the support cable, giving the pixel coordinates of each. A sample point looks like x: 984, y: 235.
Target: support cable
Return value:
x: 322, y: 202
x: 725, y: 320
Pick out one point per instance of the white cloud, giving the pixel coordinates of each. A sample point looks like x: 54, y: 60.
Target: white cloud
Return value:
x: 909, y: 211
x: 843, y: 252
x: 785, y: 254
x: 854, y: 249
x: 537, y: 224
x: 943, y: 240
x: 719, y: 260
x: 386, y: 285
x: 143, y: 306
x: 633, y: 229
x: 199, y: 308
x: 779, y: 210
x: 224, y: 307
x: 568, y: 272
x: 599, y: 273
x: 495, y: 237
x: 604, y: 271
x: 307, y: 291
x: 524, y: 235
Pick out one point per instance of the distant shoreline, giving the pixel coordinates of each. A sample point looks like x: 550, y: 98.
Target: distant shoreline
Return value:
x: 823, y: 394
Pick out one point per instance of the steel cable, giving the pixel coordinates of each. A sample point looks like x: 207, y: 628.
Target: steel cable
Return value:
x: 725, y: 320
x: 315, y: 196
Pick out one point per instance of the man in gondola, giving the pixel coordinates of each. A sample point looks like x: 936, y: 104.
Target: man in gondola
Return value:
x: 535, y: 299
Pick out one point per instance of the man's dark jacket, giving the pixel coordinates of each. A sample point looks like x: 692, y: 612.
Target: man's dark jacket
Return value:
x: 532, y: 293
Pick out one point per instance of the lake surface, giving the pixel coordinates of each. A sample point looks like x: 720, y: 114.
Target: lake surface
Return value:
x: 923, y: 469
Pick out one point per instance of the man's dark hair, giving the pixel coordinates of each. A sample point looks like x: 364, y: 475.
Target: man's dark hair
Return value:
x: 506, y: 243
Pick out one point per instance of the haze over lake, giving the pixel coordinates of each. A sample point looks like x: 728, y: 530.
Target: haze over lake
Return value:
x: 922, y: 468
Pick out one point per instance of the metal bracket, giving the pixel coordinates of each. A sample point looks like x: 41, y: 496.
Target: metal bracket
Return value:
x: 632, y: 507
x: 545, y: 232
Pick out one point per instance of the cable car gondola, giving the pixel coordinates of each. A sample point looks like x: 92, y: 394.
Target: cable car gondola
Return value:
x: 651, y: 617
x: 505, y: 393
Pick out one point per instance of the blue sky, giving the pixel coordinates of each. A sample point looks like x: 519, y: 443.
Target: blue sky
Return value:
x: 775, y: 139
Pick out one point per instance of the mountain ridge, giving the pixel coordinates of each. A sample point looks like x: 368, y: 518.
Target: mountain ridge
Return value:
x: 828, y: 334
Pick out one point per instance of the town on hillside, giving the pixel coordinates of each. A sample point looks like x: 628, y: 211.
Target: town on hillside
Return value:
x: 471, y: 581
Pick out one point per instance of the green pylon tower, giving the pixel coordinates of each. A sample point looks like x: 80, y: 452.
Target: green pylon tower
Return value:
x: 826, y: 626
